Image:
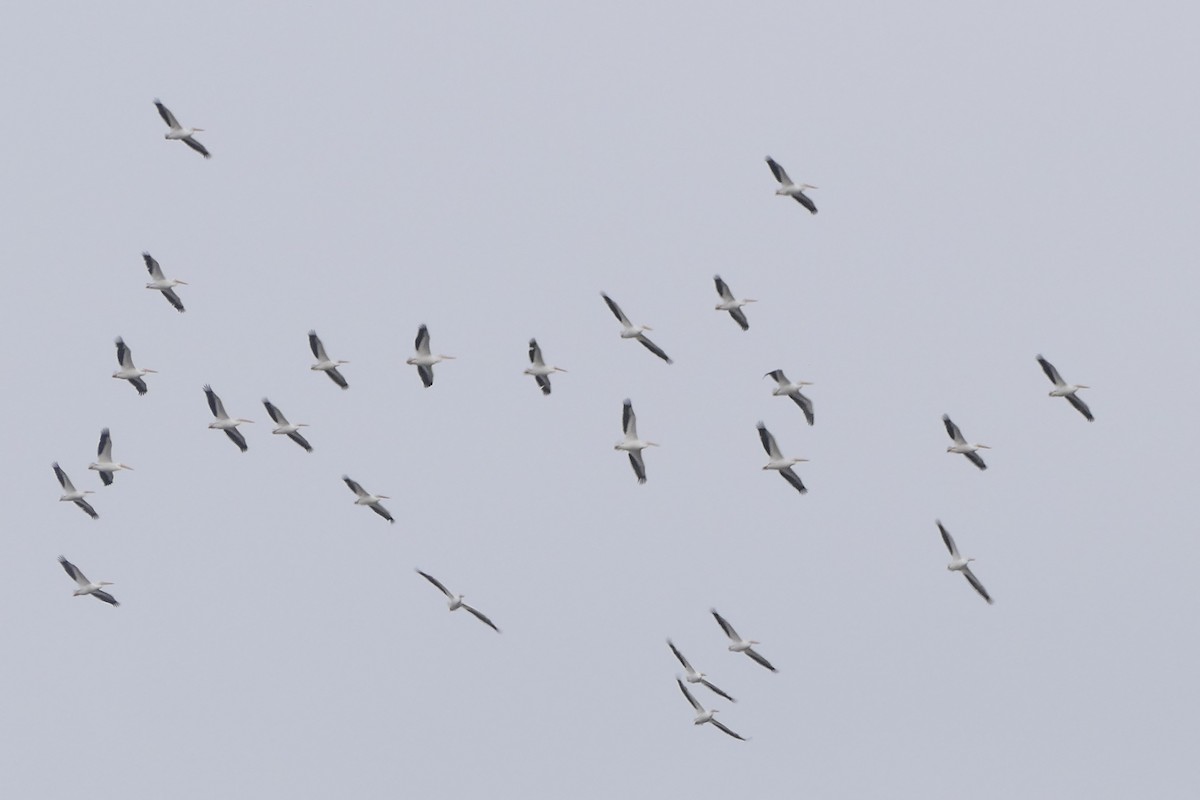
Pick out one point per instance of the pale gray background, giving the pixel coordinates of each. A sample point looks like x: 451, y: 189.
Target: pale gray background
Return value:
x: 996, y: 181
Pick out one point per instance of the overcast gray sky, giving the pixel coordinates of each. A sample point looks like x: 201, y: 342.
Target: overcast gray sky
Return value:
x: 994, y: 181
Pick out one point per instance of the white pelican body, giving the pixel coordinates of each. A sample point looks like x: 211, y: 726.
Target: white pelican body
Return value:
x: 740, y: 645
x: 961, y: 445
x: 694, y: 676
x: 786, y: 388
x: 703, y: 714
x: 86, y: 586
x: 789, y: 189
x: 104, y: 463
x: 631, y: 443
x: 538, y: 367
x: 778, y: 463
x: 960, y: 564
x: 285, y: 428
x: 162, y: 284
x: 1064, y: 389
x: 731, y: 304
x: 179, y: 132
x: 73, y: 495
x: 456, y: 601
x: 223, y: 421
x: 128, y: 372
x: 325, y: 363
x: 424, y: 360
x: 631, y: 331
x: 365, y: 498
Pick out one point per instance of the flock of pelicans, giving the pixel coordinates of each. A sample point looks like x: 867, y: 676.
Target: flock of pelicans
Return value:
x: 631, y: 443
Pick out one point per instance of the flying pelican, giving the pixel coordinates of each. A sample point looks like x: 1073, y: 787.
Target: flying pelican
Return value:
x: 1064, y: 389
x: 179, y: 132
x: 128, y: 372
x: 324, y: 363
x: 741, y: 645
x: 788, y: 389
x: 456, y: 601
x: 86, y: 586
x: 960, y: 444
x: 731, y: 304
x: 104, y: 463
x: 423, y: 360
x: 162, y: 284
x: 789, y: 189
x: 223, y: 421
x: 538, y: 368
x: 282, y: 426
x: 703, y: 714
x: 632, y: 444
x: 693, y: 676
x: 72, y: 494
x: 365, y: 499
x: 778, y: 462
x: 960, y: 564
x: 631, y: 331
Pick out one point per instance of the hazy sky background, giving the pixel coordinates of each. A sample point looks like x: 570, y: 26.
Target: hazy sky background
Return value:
x: 994, y: 181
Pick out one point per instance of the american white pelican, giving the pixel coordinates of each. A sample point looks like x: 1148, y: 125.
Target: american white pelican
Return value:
x: 693, y: 676
x: 731, y: 304
x: 324, y: 363
x: 741, y: 645
x: 538, y: 369
x: 72, y: 494
x: 778, y: 463
x: 104, y: 463
x: 456, y: 601
x: 789, y: 189
x: 128, y: 372
x: 86, y: 586
x: 283, y: 427
x: 960, y: 564
x: 1064, y: 389
x: 424, y: 360
x: 162, y: 284
x: 367, y: 499
x: 223, y: 422
x: 179, y: 132
x: 787, y: 388
x: 631, y: 331
x: 962, y: 446
x: 631, y: 443
x: 703, y: 714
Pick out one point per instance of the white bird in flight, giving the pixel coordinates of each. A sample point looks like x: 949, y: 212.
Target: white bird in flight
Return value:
x: 631, y: 443
x: 789, y: 189
x: 223, y: 422
x: 285, y: 428
x: 961, y: 445
x: 456, y: 601
x: 538, y: 368
x: 424, y: 360
x: 631, y: 331
x: 787, y: 388
x: 104, y: 463
x: 365, y: 498
x: 703, y: 714
x: 782, y: 465
x: 86, y: 586
x: 960, y: 564
x: 73, y: 495
x: 163, y: 284
x: 325, y: 363
x: 693, y: 676
x: 128, y: 372
x: 179, y: 132
x: 1064, y: 389
x: 731, y: 304
x: 741, y: 645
